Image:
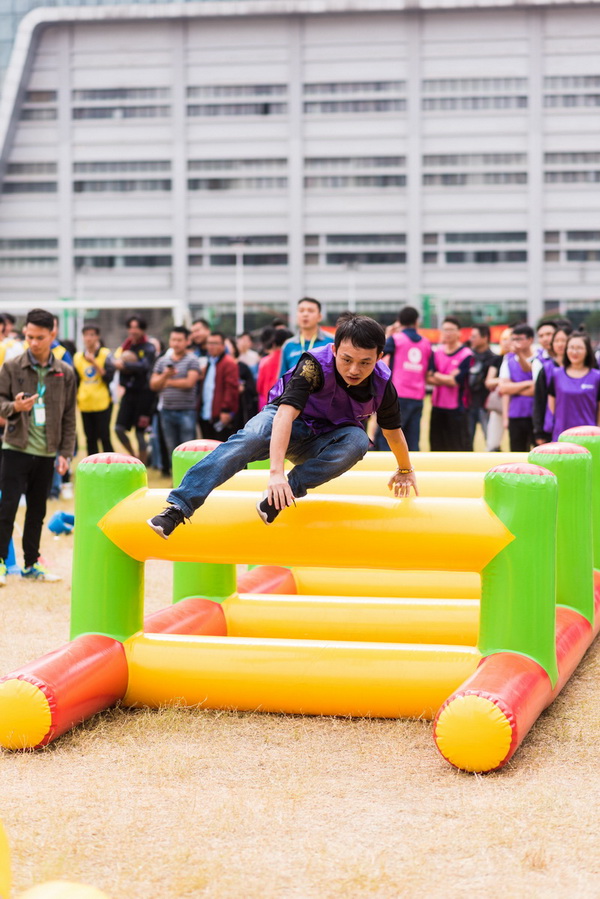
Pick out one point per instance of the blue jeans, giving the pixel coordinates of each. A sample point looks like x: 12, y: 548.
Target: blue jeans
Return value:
x: 179, y: 426
x: 317, y: 459
x: 478, y: 415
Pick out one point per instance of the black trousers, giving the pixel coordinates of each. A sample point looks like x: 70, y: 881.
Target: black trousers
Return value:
x: 96, y: 426
x: 449, y: 430
x: 31, y: 475
x: 520, y: 432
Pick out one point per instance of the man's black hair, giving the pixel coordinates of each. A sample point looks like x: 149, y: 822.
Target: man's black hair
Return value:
x: 362, y: 332
x: 281, y: 335
x: 452, y: 320
x: 524, y: 330
x: 408, y: 317
x: 484, y: 330
x: 244, y: 334
x: 201, y: 321
x: 40, y: 318
x: 310, y: 300
x: 279, y: 322
x: 91, y: 326
x: 545, y: 322
x: 142, y: 323
x: 180, y: 329
x: 218, y: 334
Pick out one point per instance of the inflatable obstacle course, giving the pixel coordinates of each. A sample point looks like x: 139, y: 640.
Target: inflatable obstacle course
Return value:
x: 469, y: 608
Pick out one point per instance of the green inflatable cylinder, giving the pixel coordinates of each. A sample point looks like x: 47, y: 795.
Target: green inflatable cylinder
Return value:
x: 205, y: 579
x: 588, y: 436
x: 107, y: 594
x: 572, y: 465
x: 518, y: 586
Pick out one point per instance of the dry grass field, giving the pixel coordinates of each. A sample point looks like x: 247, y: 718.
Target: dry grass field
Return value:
x: 190, y: 803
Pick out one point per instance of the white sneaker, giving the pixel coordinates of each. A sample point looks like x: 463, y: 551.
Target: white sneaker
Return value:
x: 37, y: 572
x: 2, y: 574
x: 66, y: 491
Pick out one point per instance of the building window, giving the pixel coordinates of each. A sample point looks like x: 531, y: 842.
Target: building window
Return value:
x: 583, y: 255
x: 121, y: 112
x: 341, y: 163
x: 41, y: 96
x: 311, y: 258
x: 311, y: 240
x: 551, y: 236
x: 366, y: 238
x: 457, y: 85
x: 28, y: 262
x: 197, y: 259
x: 551, y: 256
x: 38, y: 115
x: 486, y: 257
x: 460, y: 179
x: 237, y: 165
x: 583, y: 235
x: 486, y: 236
x: 466, y: 159
x: 122, y: 261
x: 29, y: 187
x: 31, y: 168
x: 365, y: 258
x: 430, y: 239
x: 572, y: 177
x: 471, y: 104
x: 237, y: 90
x: 354, y: 87
x: 328, y: 107
x: 141, y: 165
x: 254, y: 240
x: 105, y: 243
x: 125, y: 186
x: 237, y: 109
x: 578, y: 158
x: 122, y: 93
x: 29, y: 243
x: 570, y: 101
x: 237, y: 183
x: 343, y: 181
x: 552, y: 82
x: 430, y: 258
x: 250, y: 259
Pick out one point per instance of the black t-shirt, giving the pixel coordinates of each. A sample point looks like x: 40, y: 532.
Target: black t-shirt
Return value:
x: 478, y: 374
x: 308, y: 379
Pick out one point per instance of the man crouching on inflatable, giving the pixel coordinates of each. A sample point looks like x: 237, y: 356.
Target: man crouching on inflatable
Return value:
x: 316, y: 418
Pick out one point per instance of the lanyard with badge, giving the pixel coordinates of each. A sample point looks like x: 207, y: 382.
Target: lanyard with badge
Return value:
x: 310, y: 345
x: 39, y: 408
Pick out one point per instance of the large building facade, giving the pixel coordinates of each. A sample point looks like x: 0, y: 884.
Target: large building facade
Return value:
x: 364, y: 152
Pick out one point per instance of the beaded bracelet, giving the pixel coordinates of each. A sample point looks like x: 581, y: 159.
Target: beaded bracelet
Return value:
x: 404, y: 470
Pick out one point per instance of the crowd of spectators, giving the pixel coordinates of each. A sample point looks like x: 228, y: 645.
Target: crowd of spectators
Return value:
x: 203, y: 383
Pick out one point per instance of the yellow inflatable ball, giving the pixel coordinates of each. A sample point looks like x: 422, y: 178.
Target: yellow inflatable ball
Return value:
x: 63, y: 889
x: 4, y: 865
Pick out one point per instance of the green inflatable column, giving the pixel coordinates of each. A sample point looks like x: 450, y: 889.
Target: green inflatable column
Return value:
x: 572, y: 465
x: 589, y: 437
x: 518, y: 586
x: 107, y: 595
x: 206, y: 579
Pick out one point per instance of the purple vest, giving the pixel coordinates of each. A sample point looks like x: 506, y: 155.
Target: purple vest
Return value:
x: 411, y: 361
x: 520, y: 406
x: 332, y: 407
x: 576, y: 400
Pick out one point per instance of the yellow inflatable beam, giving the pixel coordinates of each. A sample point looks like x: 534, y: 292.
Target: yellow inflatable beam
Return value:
x: 365, y: 618
x: 439, y: 461
x: 4, y: 864
x: 374, y: 483
x: 441, y: 534
x: 364, y: 581
x: 383, y: 680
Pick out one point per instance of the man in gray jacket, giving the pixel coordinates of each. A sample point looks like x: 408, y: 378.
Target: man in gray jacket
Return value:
x: 38, y: 400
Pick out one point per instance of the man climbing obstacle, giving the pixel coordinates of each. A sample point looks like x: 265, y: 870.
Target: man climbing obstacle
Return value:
x: 316, y: 418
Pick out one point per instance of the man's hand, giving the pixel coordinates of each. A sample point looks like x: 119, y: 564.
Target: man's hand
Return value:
x: 279, y: 492
x: 62, y: 465
x: 401, y: 483
x: 25, y: 403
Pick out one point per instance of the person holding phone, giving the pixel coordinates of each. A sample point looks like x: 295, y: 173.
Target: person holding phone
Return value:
x: 37, y: 399
x: 174, y: 378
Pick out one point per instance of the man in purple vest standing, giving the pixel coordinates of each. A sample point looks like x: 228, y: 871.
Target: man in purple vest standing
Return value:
x: 517, y: 388
x: 315, y: 417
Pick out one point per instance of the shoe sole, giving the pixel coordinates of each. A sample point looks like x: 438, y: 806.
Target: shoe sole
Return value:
x: 157, y: 529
